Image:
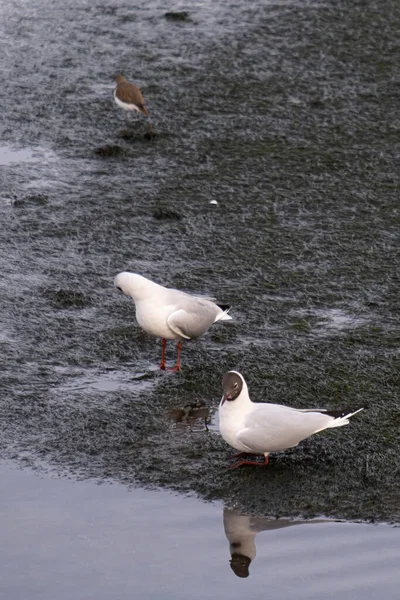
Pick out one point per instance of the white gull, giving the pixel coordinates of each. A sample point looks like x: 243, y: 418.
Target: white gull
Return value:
x: 170, y: 314
x: 261, y: 428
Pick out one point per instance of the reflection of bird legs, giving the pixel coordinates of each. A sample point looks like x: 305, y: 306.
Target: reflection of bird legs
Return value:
x: 163, y: 365
x: 254, y: 463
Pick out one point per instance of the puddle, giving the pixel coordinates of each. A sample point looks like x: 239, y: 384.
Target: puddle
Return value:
x: 335, y: 318
x: 69, y: 539
x: 107, y: 381
x: 31, y: 167
x: 331, y: 319
x: 9, y: 156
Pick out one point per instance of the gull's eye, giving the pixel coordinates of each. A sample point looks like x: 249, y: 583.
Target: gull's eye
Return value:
x: 235, y: 386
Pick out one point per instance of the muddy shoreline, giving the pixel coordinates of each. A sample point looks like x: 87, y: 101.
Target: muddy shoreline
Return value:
x: 286, y: 116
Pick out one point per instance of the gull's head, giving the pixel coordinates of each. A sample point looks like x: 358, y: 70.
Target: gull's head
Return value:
x: 232, y: 386
x: 132, y: 284
x: 119, y: 79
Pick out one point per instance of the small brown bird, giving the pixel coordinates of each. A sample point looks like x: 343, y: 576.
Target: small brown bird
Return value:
x: 129, y: 97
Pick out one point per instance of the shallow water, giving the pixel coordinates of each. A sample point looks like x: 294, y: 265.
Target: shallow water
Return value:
x: 9, y: 156
x: 286, y: 114
x: 77, y: 539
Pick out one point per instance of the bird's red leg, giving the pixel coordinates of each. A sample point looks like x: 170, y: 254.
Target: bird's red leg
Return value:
x: 177, y: 367
x: 254, y: 463
x: 163, y: 348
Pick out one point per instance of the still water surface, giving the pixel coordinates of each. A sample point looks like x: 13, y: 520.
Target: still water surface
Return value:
x: 63, y: 539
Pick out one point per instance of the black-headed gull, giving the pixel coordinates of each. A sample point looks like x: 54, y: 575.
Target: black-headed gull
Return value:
x: 260, y: 428
x: 169, y: 314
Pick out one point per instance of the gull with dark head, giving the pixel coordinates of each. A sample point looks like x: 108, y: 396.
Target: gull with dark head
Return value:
x: 261, y: 428
x: 170, y: 314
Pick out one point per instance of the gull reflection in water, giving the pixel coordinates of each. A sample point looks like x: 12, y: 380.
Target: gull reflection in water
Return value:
x: 241, y: 531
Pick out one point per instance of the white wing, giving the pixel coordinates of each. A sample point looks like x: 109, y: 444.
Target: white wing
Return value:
x: 272, y: 427
x: 194, y: 320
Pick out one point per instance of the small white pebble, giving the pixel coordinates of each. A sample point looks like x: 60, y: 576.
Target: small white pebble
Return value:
x: 213, y: 202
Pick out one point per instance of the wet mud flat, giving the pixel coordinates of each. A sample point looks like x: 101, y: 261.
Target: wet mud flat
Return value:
x: 287, y: 116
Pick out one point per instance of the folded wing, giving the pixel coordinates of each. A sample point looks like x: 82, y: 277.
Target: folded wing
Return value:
x: 272, y: 427
x: 194, y: 317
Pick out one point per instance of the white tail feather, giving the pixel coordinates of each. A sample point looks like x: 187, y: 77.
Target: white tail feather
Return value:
x: 223, y: 316
x: 339, y: 422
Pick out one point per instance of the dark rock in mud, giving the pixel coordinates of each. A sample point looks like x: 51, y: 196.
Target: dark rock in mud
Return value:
x: 64, y: 299
x: 128, y: 134
x: 317, y: 103
x: 108, y: 150
x: 38, y: 199
x: 177, y: 15
x: 149, y: 135
x: 166, y: 214
x: 132, y: 135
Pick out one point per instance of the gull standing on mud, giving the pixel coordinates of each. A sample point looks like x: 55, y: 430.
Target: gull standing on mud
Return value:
x: 260, y: 428
x: 129, y: 97
x: 170, y: 314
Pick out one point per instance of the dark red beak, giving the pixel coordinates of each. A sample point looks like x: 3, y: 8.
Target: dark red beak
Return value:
x: 224, y: 399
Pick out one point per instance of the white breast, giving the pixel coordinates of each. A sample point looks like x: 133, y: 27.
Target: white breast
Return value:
x: 152, y: 317
x: 124, y: 105
x: 231, y: 420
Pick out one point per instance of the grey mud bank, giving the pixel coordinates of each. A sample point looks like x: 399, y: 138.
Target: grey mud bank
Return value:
x: 285, y: 114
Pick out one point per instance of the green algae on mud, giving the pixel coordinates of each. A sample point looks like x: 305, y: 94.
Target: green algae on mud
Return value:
x: 298, y: 145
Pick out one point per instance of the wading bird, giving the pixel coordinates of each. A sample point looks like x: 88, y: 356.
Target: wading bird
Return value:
x: 260, y: 428
x: 129, y: 97
x: 170, y: 314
